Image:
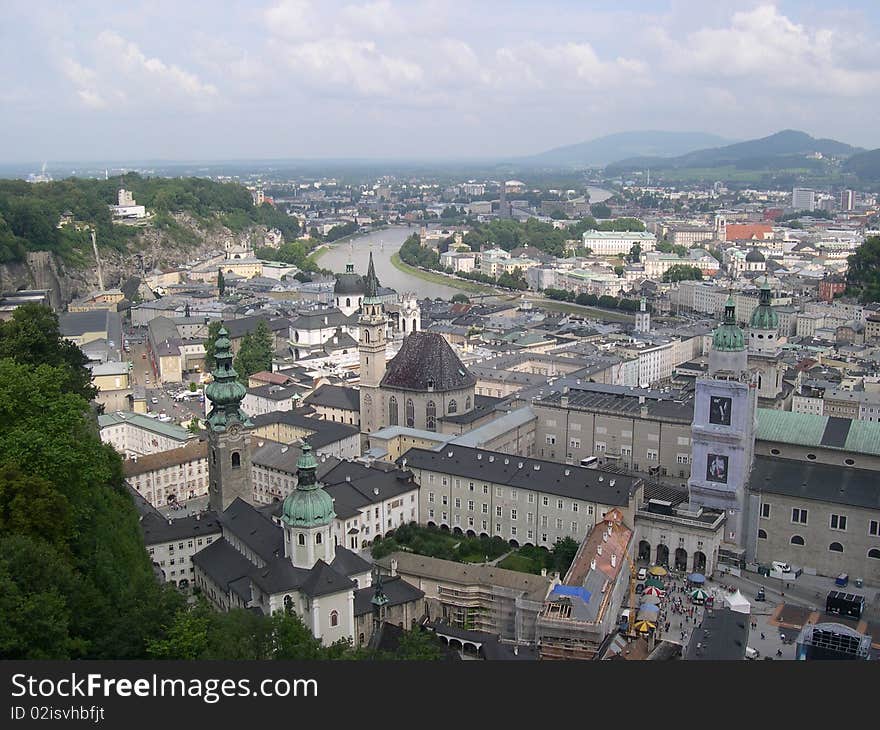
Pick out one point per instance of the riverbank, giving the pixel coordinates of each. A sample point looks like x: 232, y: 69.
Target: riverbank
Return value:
x: 610, y: 315
x: 327, y: 247
x: 471, y: 287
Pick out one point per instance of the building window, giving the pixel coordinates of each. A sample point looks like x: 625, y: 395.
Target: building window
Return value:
x: 467, y: 403
x: 445, y: 500
x: 796, y: 540
x: 301, y: 539
x: 498, y: 511
x: 558, y: 523
x: 874, y: 553
x: 874, y: 528
x: 485, y: 509
x: 574, y: 506
x: 545, y: 501
x: 513, y: 531
x: 431, y: 416
x: 513, y: 514
x: 453, y: 406
x: 838, y: 522
x: 318, y: 539
x: 410, y: 413
x: 574, y: 527
x: 531, y: 498
x: 550, y: 439
x: 799, y: 516
x: 559, y: 504
x: 458, y: 503
x: 236, y: 460
x: 835, y: 547
x: 762, y: 534
x: 430, y: 496
x: 485, y: 489
x: 392, y: 411
x: 651, y: 455
x: 765, y: 510
x: 334, y: 618
x: 470, y: 505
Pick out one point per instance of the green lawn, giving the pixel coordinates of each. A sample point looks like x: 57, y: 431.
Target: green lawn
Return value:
x: 521, y: 564
x: 471, y: 287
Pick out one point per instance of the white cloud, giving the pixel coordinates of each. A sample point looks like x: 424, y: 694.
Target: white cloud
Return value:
x: 768, y: 49
x: 121, y: 73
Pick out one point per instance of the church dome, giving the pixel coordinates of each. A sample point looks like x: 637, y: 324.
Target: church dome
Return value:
x: 308, y: 505
x: 225, y: 392
x: 764, y: 317
x: 729, y: 337
x: 755, y: 257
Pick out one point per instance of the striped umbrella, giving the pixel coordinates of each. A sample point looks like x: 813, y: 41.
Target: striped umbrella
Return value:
x: 657, y: 570
x: 699, y: 595
x: 644, y: 626
x: 653, y: 591
x: 650, y: 599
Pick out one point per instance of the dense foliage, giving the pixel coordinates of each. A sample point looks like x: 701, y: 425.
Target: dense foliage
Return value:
x: 682, y: 272
x: 437, y: 543
x: 30, y: 212
x: 592, y: 300
x: 863, y: 274
x: 255, y: 353
x: 534, y: 559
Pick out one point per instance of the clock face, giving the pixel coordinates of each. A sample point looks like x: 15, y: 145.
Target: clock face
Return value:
x: 716, y: 468
x: 234, y: 429
x: 719, y: 410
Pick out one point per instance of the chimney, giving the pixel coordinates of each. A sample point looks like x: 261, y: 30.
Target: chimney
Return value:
x: 516, y: 651
x: 613, y: 561
x: 593, y: 564
x: 393, y: 567
x: 543, y: 572
x: 599, y: 550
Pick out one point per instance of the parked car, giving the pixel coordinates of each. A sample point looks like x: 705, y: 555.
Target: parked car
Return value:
x: 642, y: 574
x: 781, y: 567
x: 761, y: 596
x: 640, y: 588
x: 155, y: 401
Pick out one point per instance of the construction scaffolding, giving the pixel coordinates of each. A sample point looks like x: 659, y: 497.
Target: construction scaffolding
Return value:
x: 832, y: 641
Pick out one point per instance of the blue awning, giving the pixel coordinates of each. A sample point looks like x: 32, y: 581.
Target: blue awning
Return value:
x: 572, y: 592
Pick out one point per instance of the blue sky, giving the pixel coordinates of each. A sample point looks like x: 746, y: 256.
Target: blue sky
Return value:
x: 422, y: 78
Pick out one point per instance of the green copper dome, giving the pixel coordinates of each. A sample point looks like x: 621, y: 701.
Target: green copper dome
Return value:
x: 764, y: 317
x: 225, y: 392
x: 308, y: 505
x: 729, y: 337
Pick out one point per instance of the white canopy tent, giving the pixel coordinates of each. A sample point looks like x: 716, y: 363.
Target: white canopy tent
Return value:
x: 738, y: 602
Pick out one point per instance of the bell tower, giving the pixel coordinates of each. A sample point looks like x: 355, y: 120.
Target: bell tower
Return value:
x: 229, y: 439
x: 371, y: 346
x: 307, y: 515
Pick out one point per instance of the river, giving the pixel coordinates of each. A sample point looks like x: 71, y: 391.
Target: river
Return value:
x: 383, y: 244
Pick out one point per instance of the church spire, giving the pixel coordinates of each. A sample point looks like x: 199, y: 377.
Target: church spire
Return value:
x: 371, y: 284
x: 225, y: 392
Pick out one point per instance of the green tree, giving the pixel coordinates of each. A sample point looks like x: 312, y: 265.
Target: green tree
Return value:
x: 682, y: 272
x: 33, y: 337
x: 562, y: 555
x: 600, y: 210
x: 635, y: 253
x: 193, y: 426
x: 418, y: 645
x: 210, y: 340
x: 863, y: 273
x: 255, y: 353
x: 462, y: 298
x: 221, y: 282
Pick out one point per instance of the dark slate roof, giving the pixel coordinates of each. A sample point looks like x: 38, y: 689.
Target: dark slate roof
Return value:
x: 73, y: 324
x: 223, y: 564
x: 396, y: 590
x: 820, y: 482
x: 335, y: 396
x: 349, y: 563
x: 483, y: 406
x: 254, y: 529
x: 322, y: 319
x: 564, y: 480
x: 323, y: 433
x: 424, y: 360
x: 349, y: 284
x: 723, y: 635
x: 278, y: 576
x: 324, y: 580
x: 157, y: 529
x: 241, y: 326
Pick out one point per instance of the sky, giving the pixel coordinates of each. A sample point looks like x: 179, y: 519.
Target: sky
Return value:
x: 423, y: 79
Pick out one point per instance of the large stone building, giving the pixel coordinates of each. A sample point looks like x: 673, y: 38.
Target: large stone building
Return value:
x: 424, y: 382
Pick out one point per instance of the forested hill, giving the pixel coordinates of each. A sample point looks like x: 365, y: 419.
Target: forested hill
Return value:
x: 30, y: 212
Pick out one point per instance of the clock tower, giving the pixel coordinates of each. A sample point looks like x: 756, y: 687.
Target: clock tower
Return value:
x: 229, y: 439
x: 723, y: 430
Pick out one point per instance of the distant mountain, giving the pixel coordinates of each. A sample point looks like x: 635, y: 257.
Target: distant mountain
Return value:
x: 865, y: 165
x: 780, y: 149
x: 604, y: 150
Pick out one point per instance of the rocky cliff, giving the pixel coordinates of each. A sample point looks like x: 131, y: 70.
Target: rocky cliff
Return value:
x: 152, y: 248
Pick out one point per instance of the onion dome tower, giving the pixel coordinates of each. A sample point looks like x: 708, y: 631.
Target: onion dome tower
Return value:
x: 307, y: 515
